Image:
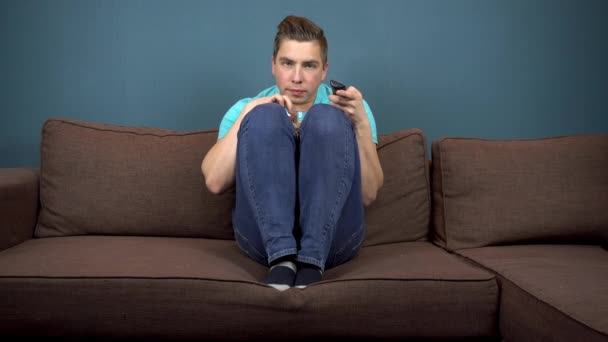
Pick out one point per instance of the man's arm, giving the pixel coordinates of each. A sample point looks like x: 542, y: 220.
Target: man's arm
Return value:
x: 219, y: 165
x: 372, y: 177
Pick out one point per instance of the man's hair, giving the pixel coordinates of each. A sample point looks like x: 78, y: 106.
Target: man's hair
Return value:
x: 302, y: 30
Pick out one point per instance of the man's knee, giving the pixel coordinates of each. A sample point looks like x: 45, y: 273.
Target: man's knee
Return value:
x: 325, y: 110
x: 268, y: 117
x: 326, y: 119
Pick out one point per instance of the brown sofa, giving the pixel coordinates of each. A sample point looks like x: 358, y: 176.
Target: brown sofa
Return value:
x: 115, y: 236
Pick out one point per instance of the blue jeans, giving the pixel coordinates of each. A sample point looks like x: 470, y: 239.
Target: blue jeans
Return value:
x: 301, y: 195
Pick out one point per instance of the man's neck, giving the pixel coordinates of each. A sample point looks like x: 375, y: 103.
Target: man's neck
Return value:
x: 305, y: 107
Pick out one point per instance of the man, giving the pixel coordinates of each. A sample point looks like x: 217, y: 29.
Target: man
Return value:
x: 300, y: 189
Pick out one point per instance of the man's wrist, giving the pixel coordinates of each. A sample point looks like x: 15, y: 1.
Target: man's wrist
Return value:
x: 363, y: 130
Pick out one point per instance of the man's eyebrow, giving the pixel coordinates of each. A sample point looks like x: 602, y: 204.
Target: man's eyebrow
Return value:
x: 309, y: 62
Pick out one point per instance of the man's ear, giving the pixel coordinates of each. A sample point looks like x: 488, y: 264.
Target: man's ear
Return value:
x: 272, y: 64
x: 325, y: 68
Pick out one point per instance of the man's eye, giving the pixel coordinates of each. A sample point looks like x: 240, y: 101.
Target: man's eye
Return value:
x: 310, y: 66
x: 286, y: 63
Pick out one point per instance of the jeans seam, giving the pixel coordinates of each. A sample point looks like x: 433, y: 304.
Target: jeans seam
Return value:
x: 253, y: 199
x: 350, y: 239
x: 258, y: 212
x: 251, y: 247
x: 311, y: 260
x: 341, y: 186
x: 279, y: 254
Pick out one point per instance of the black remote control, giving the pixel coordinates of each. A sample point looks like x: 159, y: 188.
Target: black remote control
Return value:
x: 335, y: 85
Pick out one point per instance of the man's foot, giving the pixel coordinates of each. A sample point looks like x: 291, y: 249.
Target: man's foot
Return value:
x: 307, y: 274
x: 281, y: 276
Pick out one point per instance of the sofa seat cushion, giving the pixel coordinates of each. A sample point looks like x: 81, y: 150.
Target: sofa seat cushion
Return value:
x: 128, y: 257
x: 153, y: 286
x: 563, y: 288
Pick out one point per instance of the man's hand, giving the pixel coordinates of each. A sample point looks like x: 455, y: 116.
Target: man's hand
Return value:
x: 219, y: 164
x: 351, y: 102
x: 282, y: 100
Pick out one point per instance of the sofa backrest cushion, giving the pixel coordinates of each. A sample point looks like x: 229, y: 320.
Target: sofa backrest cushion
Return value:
x: 402, y: 209
x: 490, y: 192
x: 115, y: 180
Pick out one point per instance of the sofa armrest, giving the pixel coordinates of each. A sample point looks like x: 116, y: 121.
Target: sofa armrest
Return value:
x: 19, y: 205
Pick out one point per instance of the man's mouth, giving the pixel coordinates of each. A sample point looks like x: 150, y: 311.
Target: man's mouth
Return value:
x: 296, y: 91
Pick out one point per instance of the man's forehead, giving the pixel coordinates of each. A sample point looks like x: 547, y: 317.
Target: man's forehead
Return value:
x: 300, y: 51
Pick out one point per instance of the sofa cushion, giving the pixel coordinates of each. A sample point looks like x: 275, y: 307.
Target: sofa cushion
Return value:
x: 202, y: 288
x: 563, y: 288
x: 116, y: 180
x: 402, y: 209
x: 489, y: 192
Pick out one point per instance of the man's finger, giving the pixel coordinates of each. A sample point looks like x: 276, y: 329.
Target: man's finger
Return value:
x: 288, y: 105
x: 278, y: 99
x: 344, y: 94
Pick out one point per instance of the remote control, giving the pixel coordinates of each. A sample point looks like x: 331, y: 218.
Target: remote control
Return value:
x: 335, y: 85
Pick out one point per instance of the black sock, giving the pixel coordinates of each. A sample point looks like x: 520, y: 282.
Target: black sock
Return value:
x: 290, y: 257
x: 282, y: 273
x: 307, y: 274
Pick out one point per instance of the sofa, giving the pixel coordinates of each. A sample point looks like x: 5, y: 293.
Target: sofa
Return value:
x: 115, y: 236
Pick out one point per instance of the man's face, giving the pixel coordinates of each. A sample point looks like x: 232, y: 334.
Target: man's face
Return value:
x: 299, y: 70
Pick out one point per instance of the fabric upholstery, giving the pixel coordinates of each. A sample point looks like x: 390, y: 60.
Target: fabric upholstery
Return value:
x: 131, y: 245
x: 402, y: 209
x: 563, y: 288
x: 489, y: 192
x: 115, y: 180
x: 18, y: 205
x: 209, y: 288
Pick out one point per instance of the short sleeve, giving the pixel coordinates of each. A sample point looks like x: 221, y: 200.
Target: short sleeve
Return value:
x: 372, y: 122
x: 230, y: 117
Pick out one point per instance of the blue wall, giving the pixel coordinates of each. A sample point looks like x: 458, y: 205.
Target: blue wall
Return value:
x: 483, y: 68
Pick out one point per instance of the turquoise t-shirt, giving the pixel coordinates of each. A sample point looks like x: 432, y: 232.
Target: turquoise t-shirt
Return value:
x: 322, y: 97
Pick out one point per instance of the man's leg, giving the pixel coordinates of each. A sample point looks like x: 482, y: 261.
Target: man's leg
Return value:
x: 263, y: 217
x: 350, y: 229
x: 329, y: 183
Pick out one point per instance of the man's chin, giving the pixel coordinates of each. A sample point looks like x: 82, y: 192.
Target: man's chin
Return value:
x: 296, y: 101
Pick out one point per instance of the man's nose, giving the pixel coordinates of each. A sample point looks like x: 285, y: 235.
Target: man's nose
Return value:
x: 297, y: 74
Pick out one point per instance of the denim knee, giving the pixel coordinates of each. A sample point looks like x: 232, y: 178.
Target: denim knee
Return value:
x: 325, y: 120
x: 266, y: 120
